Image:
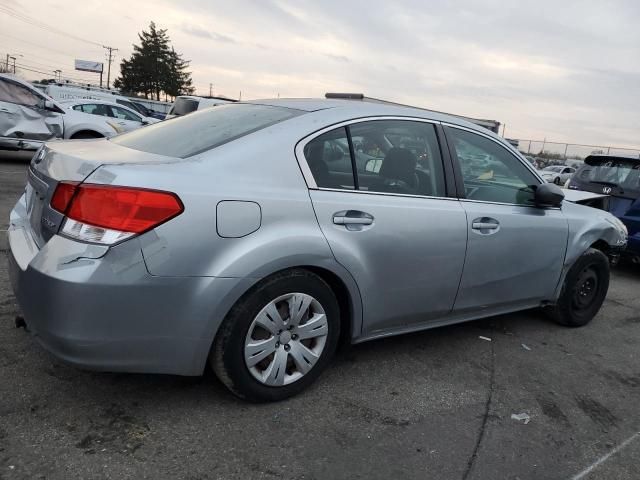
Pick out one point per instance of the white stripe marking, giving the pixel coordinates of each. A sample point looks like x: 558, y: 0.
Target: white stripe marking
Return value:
x: 604, y: 458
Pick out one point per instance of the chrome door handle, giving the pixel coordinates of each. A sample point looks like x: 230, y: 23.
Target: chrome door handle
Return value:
x: 484, y: 226
x: 352, y: 220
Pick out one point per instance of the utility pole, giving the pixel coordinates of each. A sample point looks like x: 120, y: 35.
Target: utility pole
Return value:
x: 7, y: 62
x: 58, y: 75
x: 109, y: 59
x: 211, y: 89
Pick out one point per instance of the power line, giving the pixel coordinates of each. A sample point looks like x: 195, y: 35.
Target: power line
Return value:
x: 39, y: 46
x: 37, y: 23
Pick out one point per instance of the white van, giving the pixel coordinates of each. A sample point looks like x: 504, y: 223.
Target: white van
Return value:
x: 190, y: 103
x: 75, y: 92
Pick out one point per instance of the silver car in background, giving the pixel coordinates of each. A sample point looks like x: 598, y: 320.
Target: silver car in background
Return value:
x: 254, y: 236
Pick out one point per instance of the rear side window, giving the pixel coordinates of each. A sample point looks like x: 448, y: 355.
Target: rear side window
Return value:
x: 389, y: 156
x: 201, y: 131
x: 182, y: 106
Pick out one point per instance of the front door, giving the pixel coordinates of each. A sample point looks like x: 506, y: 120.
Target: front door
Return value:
x: 516, y: 250
x: 381, y: 204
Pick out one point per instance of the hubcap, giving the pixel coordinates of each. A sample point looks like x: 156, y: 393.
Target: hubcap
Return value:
x: 286, y: 339
x: 586, y: 289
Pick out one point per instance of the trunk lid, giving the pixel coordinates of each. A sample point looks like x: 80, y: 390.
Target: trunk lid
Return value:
x: 73, y: 161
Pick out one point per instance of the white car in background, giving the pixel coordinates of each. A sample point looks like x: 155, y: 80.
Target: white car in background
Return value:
x: 558, y: 174
x: 185, y: 104
x: 126, y: 117
x: 28, y: 118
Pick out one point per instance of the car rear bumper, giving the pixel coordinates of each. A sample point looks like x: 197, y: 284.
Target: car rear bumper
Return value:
x: 105, y: 312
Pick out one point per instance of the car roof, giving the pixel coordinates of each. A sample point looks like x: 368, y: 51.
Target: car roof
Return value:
x: 359, y: 108
x: 84, y: 101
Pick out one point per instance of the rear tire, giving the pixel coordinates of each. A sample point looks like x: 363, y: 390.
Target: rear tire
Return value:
x: 287, y: 365
x: 584, y: 290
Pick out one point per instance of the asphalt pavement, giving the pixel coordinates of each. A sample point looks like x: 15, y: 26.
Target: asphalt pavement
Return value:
x: 436, y: 404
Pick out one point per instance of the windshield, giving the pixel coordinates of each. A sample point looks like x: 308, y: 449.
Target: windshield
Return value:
x: 553, y: 169
x: 200, y: 131
x: 616, y: 172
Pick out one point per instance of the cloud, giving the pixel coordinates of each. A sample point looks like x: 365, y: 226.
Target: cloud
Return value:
x: 196, y: 31
x: 561, y: 70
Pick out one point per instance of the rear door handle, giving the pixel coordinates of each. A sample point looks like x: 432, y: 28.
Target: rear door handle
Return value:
x: 352, y: 219
x: 485, y: 225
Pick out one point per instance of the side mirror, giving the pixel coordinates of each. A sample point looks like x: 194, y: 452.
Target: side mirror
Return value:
x: 145, y: 122
x: 49, y: 105
x: 548, y: 195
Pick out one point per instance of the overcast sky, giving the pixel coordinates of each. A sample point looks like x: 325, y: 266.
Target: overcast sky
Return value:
x: 560, y: 70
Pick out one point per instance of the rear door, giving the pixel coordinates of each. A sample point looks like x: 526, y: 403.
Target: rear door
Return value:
x: 382, y: 204
x: 516, y: 250
x: 22, y: 113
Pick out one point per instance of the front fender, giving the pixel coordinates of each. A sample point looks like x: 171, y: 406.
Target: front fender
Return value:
x: 587, y: 227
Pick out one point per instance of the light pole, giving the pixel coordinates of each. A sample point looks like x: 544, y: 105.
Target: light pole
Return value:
x: 10, y: 57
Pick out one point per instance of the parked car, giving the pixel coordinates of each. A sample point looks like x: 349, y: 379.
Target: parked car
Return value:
x: 185, y: 104
x: 619, y: 178
x: 558, y: 174
x: 28, y: 118
x: 244, y: 246
x: 65, y: 92
x: 127, y: 118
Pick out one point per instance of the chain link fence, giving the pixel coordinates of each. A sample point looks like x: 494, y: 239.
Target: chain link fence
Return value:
x: 556, y: 152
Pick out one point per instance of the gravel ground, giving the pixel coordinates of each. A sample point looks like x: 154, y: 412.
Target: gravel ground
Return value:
x: 436, y: 404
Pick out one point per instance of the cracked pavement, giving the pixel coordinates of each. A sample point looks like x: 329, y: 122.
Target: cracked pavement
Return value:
x: 435, y: 404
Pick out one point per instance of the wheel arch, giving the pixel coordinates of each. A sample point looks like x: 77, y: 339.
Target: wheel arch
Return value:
x: 339, y: 280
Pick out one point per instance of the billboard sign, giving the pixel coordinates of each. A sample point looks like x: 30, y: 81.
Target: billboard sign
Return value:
x: 89, y: 66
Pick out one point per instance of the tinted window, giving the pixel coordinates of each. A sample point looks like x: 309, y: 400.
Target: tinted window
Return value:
x: 329, y: 160
x: 397, y: 156
x: 15, y: 93
x: 204, y: 130
x: 182, y: 106
x: 490, y: 172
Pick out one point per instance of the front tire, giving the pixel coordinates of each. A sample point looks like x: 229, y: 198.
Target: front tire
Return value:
x: 278, y: 338
x: 584, y: 290
x: 556, y: 180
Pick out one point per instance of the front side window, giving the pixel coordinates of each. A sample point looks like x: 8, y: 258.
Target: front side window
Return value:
x: 490, y: 172
x: 389, y: 156
x: 123, y: 114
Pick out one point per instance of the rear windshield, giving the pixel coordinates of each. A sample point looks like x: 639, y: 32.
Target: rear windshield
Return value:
x: 182, y: 106
x: 614, y: 171
x: 203, y: 130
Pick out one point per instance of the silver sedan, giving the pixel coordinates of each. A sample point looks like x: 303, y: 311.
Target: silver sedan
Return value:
x: 256, y: 236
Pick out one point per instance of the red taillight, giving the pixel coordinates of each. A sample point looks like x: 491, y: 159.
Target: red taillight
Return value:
x: 63, y: 195
x: 109, y: 213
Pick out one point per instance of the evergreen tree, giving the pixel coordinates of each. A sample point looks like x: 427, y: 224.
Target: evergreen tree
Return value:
x: 154, y: 67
